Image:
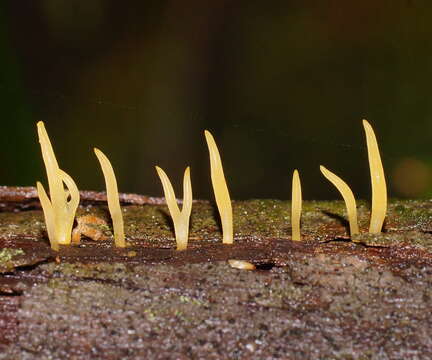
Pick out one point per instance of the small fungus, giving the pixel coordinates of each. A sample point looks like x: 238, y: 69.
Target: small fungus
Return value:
x: 60, y: 208
x: 220, y: 188
x: 180, y: 218
x: 113, y: 198
x: 241, y: 264
x: 296, y: 206
x: 379, y: 189
x: 348, y: 197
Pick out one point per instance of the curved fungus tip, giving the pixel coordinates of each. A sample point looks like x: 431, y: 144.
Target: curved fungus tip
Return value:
x: 347, y: 195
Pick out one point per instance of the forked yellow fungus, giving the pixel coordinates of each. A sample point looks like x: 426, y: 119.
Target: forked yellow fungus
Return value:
x: 223, y: 200
x: 180, y: 218
x: 113, y: 198
x: 60, y: 208
x: 379, y: 189
x: 296, y: 206
x: 348, y: 197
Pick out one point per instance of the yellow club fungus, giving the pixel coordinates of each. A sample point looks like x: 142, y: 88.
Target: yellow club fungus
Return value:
x: 180, y: 218
x: 113, y: 198
x: 379, y: 189
x: 348, y: 197
x: 223, y: 200
x: 296, y: 206
x: 60, y: 208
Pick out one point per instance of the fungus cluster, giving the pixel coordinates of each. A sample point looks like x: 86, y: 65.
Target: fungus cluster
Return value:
x: 379, y: 189
x: 60, y: 208
x: 180, y: 218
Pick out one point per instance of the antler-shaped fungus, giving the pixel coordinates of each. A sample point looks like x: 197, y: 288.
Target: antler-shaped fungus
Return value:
x: 59, y: 212
x: 180, y: 218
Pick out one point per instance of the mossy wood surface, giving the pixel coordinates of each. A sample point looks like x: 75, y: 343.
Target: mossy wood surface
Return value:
x: 328, y: 296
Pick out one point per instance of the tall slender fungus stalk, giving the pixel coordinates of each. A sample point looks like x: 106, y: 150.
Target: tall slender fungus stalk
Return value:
x: 223, y: 200
x: 113, y: 198
x: 379, y: 189
x: 296, y: 206
x: 60, y: 208
x: 348, y: 197
x: 180, y: 218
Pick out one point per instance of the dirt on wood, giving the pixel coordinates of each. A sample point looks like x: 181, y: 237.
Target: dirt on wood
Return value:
x: 326, y: 297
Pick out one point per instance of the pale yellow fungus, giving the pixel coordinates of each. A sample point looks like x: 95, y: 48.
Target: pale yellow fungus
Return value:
x: 49, y: 216
x: 348, y: 197
x: 379, y: 188
x: 180, y: 218
x: 60, y: 208
x: 223, y: 200
x: 296, y: 206
x: 241, y: 264
x: 113, y: 198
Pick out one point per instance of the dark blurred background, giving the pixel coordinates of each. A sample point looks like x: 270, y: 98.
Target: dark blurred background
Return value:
x: 280, y: 84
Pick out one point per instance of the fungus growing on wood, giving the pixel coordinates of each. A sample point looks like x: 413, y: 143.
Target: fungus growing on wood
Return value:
x: 348, y: 197
x: 113, y: 198
x: 59, y: 209
x: 223, y: 200
x: 180, y: 218
x: 296, y: 206
x: 379, y: 189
